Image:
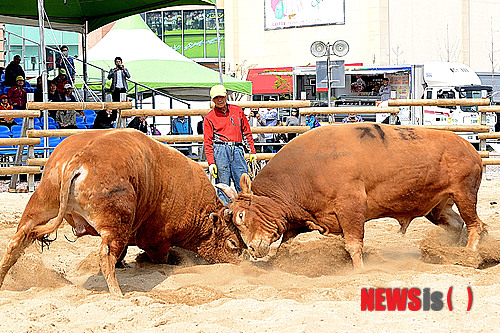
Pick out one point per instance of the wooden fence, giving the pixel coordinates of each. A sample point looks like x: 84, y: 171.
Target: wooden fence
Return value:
x: 33, y: 137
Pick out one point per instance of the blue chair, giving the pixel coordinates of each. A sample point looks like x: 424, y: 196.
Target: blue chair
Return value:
x: 80, y: 120
x: 37, y: 122
x: 2, y: 77
x: 81, y: 125
x: 6, y: 90
x: 5, y: 130
x: 89, y: 112
x: 16, y: 131
x: 37, y: 127
x: 90, y: 120
x: 53, y: 126
x: 19, y: 121
x: 53, y: 142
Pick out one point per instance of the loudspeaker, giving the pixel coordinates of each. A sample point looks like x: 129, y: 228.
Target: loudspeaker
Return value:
x: 340, y: 48
x: 319, y: 49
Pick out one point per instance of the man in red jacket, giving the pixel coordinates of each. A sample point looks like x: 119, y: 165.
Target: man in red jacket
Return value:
x: 223, y: 130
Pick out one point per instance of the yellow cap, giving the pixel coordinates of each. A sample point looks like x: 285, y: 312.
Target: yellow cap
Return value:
x: 19, y: 78
x: 218, y: 90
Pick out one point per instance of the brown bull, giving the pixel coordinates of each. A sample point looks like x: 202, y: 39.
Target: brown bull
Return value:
x: 335, y: 178
x: 127, y: 189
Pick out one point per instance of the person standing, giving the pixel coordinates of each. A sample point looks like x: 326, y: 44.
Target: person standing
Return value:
x: 182, y: 126
x: 66, y: 62
x: 293, y: 120
x: 385, y: 90
x: 18, y: 95
x: 118, y: 77
x: 223, y: 130
x: 269, y: 118
x: 13, y: 70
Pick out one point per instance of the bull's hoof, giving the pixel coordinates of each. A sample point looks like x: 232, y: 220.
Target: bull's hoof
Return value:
x: 122, y: 264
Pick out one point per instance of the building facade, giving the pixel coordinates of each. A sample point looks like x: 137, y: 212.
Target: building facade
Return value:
x: 379, y: 32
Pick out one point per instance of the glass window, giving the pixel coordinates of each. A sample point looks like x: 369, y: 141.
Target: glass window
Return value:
x: 193, y: 22
x: 172, y: 22
x: 154, y: 21
x: 194, y: 46
x: 211, y: 23
x: 212, y: 50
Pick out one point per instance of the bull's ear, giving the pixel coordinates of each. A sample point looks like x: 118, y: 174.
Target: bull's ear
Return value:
x: 246, y: 184
x: 216, y: 221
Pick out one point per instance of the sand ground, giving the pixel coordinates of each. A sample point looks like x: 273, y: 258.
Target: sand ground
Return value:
x: 308, y: 286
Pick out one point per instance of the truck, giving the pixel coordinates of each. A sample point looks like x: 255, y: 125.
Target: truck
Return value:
x: 430, y: 80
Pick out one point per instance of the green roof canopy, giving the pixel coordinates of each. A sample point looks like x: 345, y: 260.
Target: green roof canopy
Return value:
x: 72, y: 14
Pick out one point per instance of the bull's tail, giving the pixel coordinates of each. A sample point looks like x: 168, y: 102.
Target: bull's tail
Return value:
x: 25, y: 235
x: 41, y: 230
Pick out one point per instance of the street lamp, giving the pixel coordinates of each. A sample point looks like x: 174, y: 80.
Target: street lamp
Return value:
x: 319, y: 49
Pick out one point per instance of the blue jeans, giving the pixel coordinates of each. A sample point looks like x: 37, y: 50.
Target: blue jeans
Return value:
x: 231, y: 164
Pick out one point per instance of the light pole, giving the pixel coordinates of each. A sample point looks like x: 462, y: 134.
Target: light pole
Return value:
x: 320, y: 49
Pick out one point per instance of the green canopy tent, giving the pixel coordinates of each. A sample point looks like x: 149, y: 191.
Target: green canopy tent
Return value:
x: 153, y: 63
x: 71, y: 15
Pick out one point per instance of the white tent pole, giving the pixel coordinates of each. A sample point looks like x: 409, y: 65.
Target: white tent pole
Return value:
x: 218, y: 42
x: 85, y: 74
x: 43, y: 60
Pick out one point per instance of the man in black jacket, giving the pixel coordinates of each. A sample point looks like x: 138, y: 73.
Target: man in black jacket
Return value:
x: 13, y: 70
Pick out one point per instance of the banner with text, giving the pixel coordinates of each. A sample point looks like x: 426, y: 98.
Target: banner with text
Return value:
x: 281, y: 14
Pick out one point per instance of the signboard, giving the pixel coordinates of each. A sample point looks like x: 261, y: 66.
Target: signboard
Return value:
x: 281, y: 14
x: 337, y: 75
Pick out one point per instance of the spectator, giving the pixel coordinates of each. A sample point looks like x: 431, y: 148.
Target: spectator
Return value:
x: 61, y: 81
x: 154, y: 130
x: 255, y: 120
x: 118, y: 77
x: 280, y: 138
x: 375, y: 90
x: 293, y: 120
x: 4, y: 105
x: 140, y: 124
x: 223, y: 131
x: 67, y: 63
x: 38, y: 93
x: 269, y: 118
x: 53, y: 97
x: 13, y: 71
x: 199, y: 126
x: 181, y: 126
x: 312, y: 122
x: 105, y: 119
x: 385, y: 91
x: 67, y: 118
x: 17, y: 94
x: 352, y: 118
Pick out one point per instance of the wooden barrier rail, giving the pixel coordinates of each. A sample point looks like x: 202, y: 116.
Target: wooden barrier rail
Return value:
x: 489, y: 108
x: 19, y: 114
x: 439, y: 102
x: 19, y: 141
x: 43, y: 161
x: 490, y: 135
x: 346, y: 110
x: 169, y: 138
x: 77, y: 105
x: 272, y: 104
x: 167, y: 112
x: 15, y: 170
x: 491, y: 161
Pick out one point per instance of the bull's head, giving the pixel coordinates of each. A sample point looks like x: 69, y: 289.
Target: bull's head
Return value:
x: 225, y: 243
x: 256, y: 217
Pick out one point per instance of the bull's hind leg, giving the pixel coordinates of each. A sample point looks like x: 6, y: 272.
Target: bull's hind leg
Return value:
x: 111, y: 248
x: 467, y: 205
x: 23, y: 238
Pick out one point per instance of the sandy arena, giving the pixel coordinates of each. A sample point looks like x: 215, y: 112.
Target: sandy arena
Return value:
x: 308, y: 286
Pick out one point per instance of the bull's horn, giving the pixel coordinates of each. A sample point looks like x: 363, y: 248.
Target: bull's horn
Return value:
x: 227, y: 190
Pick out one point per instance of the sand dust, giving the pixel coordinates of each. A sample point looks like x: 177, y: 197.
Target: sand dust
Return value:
x: 308, y: 285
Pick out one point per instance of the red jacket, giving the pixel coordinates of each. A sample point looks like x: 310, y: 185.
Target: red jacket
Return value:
x: 225, y: 126
x: 17, y: 95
